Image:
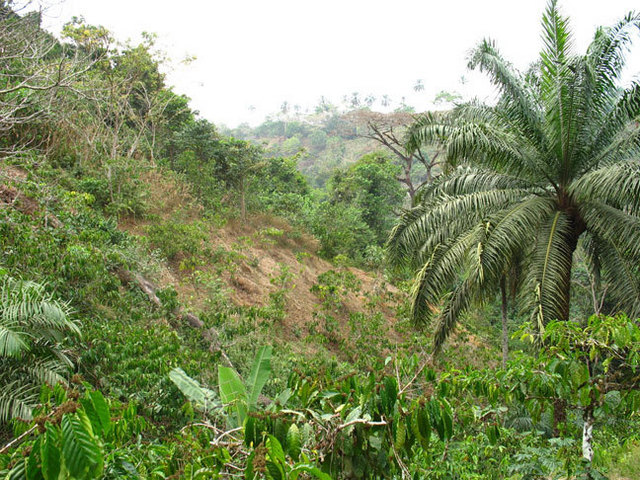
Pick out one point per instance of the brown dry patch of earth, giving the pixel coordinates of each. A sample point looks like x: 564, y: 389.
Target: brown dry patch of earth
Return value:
x: 258, y: 250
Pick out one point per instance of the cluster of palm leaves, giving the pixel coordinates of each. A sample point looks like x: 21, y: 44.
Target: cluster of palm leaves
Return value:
x: 33, y: 326
x: 553, y: 166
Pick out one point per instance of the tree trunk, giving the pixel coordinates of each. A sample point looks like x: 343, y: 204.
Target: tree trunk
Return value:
x: 577, y: 229
x: 505, y: 331
x: 587, y: 434
x: 243, y: 207
x: 559, y: 415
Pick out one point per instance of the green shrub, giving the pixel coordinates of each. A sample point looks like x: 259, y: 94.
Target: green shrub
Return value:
x: 177, y: 240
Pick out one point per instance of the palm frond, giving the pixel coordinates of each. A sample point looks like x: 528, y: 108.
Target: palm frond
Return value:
x: 17, y: 400
x: 607, y: 51
x: 616, y: 185
x: 622, y: 277
x: 437, y: 219
x: 439, y: 273
x: 457, y: 302
x: 556, y: 82
x: 13, y: 340
x: 618, y: 134
x: 32, y: 325
x: 614, y: 226
x: 519, y: 103
x: 549, y: 277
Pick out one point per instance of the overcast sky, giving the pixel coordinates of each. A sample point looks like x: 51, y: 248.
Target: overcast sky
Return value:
x: 252, y: 55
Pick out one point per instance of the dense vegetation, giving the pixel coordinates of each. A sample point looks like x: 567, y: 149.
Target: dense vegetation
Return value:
x: 152, y: 319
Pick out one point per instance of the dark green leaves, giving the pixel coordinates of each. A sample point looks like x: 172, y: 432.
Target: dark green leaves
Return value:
x: 81, y: 453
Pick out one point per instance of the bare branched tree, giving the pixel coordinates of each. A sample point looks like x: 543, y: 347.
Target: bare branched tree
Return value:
x: 388, y: 130
x: 34, y: 66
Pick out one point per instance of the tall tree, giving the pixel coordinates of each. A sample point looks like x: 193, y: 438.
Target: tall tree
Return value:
x: 370, y: 185
x: 388, y: 129
x: 34, y: 67
x: 553, y: 163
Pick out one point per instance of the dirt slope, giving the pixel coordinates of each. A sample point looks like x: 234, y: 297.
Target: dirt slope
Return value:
x: 257, y: 258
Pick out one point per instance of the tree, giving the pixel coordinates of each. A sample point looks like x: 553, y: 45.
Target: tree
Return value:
x: 34, y: 67
x: 280, y: 187
x: 236, y: 162
x: 589, y: 367
x: 554, y: 163
x: 388, y: 130
x: 370, y: 185
x: 32, y: 326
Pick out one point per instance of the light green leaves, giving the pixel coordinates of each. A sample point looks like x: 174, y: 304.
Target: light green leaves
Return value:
x: 202, y: 398
x: 233, y: 394
x: 260, y: 371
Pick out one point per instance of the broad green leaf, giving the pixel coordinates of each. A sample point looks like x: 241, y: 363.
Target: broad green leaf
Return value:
x: 389, y: 394
x: 34, y: 472
x: 249, y: 431
x: 353, y: 415
x: 201, y: 397
x: 421, y: 427
x: 493, y: 434
x: 294, y: 443
x: 274, y: 471
x: 248, y: 469
x: 401, y: 433
x: 260, y: 371
x: 50, y: 453
x: 309, y: 469
x: 82, y: 454
x: 447, y: 417
x: 276, y: 453
x: 233, y: 392
x: 102, y: 409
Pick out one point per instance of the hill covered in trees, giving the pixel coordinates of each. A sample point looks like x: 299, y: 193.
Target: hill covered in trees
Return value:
x: 181, y: 300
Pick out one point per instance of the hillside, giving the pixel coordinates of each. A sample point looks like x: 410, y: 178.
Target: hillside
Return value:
x: 264, y: 261
x: 342, y: 295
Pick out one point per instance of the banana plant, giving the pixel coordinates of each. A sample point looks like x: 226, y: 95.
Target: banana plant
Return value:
x: 236, y: 396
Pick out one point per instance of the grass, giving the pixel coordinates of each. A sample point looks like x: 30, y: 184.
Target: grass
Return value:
x: 626, y: 465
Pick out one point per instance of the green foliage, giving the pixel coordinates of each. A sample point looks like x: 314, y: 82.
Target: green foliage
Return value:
x: 293, y: 414
x: 84, y: 436
x: 371, y: 185
x: 201, y: 398
x: 33, y: 327
x: 333, y: 285
x: 177, y: 240
x: 550, y: 165
x: 259, y: 375
x: 235, y: 396
x: 280, y: 188
x: 340, y: 230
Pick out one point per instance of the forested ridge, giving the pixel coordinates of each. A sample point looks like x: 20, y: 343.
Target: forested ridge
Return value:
x: 340, y: 293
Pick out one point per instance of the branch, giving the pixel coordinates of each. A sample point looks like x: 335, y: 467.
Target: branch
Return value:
x: 17, y: 440
x: 361, y: 421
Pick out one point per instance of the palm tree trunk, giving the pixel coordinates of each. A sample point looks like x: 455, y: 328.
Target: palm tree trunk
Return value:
x: 572, y: 242
x: 505, y: 331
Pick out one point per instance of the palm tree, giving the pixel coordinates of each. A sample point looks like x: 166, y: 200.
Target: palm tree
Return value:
x: 32, y: 327
x: 555, y: 162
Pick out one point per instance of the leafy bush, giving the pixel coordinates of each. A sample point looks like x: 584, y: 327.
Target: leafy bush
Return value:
x: 176, y: 239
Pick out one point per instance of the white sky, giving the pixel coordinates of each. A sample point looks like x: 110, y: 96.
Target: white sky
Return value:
x: 262, y: 52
